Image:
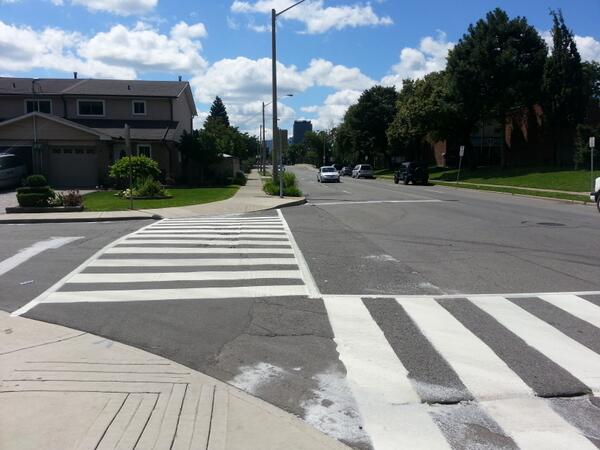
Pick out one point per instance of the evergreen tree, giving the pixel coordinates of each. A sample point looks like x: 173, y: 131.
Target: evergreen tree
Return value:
x: 218, y: 112
x: 563, y: 88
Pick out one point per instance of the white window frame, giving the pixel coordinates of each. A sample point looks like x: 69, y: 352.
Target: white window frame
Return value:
x: 38, y: 100
x: 137, y: 149
x: 133, y: 102
x: 79, y: 100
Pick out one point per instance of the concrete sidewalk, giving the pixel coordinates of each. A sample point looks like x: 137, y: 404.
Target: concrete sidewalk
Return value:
x: 64, y: 389
x: 249, y: 198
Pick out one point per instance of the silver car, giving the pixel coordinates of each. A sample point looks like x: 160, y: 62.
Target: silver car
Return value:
x: 328, y: 173
x: 12, y: 170
x: 362, y: 171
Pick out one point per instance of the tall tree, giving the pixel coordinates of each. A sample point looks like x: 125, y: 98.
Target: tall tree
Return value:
x: 496, y: 68
x: 365, y: 124
x: 218, y: 112
x: 563, y: 88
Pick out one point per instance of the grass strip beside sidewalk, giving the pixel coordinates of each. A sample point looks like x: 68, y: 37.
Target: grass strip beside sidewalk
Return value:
x: 107, y: 201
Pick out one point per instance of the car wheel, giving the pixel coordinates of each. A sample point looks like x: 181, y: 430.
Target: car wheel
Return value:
x: 598, y: 203
x: 396, y: 180
x: 405, y: 181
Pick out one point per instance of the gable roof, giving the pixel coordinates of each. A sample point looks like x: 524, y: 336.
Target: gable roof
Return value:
x: 60, y: 120
x: 65, y: 86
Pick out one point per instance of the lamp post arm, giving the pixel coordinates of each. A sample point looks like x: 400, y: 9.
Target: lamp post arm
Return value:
x: 288, y: 8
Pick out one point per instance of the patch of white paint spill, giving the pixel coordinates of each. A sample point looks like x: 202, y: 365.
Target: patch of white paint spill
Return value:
x: 435, y: 393
x: 381, y: 258
x: 252, y: 378
x: 333, y: 410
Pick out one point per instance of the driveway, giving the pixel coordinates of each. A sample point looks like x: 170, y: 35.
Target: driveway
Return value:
x: 8, y: 197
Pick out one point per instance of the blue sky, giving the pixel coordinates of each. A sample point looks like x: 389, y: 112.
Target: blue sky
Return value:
x: 329, y: 50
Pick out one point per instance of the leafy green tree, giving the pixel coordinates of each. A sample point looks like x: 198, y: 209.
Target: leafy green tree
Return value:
x: 563, y: 87
x: 141, y: 168
x: 218, y: 112
x: 365, y: 125
x: 202, y: 147
x: 296, y: 153
x: 495, y: 69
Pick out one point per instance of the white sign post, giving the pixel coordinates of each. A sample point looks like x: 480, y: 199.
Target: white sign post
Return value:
x: 592, y: 148
x: 461, y: 154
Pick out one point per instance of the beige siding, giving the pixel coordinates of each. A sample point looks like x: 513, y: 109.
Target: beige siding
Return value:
x: 11, y: 107
x: 122, y: 109
x: 46, y: 130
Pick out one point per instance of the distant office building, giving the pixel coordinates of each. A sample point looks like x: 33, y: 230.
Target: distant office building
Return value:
x: 301, y: 127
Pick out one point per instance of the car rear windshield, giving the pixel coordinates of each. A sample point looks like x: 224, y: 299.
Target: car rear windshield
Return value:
x: 328, y: 169
x: 365, y: 167
x: 8, y: 162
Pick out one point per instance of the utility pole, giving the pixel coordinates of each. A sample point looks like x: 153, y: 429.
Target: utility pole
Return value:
x: 264, y: 150
x: 592, y: 148
x: 128, y: 145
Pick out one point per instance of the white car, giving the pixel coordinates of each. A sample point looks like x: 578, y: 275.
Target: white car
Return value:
x: 328, y: 173
x: 363, y: 171
x: 12, y: 170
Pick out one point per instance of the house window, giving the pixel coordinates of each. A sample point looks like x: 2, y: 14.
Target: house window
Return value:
x: 144, y: 149
x: 90, y: 107
x: 43, y: 106
x: 139, y: 108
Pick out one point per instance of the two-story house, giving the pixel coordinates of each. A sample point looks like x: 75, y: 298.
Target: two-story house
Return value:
x: 72, y: 130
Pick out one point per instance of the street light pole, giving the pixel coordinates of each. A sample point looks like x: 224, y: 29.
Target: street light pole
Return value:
x: 262, y: 136
x: 274, y: 15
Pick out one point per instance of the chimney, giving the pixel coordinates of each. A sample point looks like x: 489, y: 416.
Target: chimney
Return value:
x: 75, y: 75
x: 179, y: 77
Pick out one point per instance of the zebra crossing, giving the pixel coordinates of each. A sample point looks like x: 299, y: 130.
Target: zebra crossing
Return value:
x: 189, y: 259
x: 508, y: 357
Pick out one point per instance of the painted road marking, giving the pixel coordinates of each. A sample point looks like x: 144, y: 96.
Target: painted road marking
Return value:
x: 189, y: 251
x: 183, y: 276
x: 207, y: 262
x: 212, y: 242
x: 144, y: 295
x: 366, y: 202
x: 577, y: 359
x: 489, y: 378
x: 27, y: 253
x: 379, y: 381
x: 576, y: 306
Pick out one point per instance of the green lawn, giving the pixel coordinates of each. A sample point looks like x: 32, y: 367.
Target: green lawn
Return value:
x: 524, y: 177
x: 107, y: 201
x: 527, y: 177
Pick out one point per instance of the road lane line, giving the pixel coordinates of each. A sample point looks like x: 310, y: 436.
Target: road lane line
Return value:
x: 27, y: 253
x: 184, y: 276
x: 143, y: 295
x: 577, y: 359
x: 215, y: 232
x: 389, y: 405
x: 530, y: 421
x: 576, y: 306
x: 311, y: 285
x: 365, y: 202
x: 187, y: 251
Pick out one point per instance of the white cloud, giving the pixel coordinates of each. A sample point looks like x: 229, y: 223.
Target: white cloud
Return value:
x: 589, y: 48
x: 119, y: 7
x: 315, y: 16
x: 325, y: 73
x: 416, y: 63
x: 119, y: 53
x: 333, y: 109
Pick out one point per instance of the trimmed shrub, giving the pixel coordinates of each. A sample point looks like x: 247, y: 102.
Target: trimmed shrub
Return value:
x: 35, y: 190
x: 36, y: 181
x: 34, y: 199
x: 142, y: 167
x: 240, y: 179
x: 272, y: 188
x: 150, y: 188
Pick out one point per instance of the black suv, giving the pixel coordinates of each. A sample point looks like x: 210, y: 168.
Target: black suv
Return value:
x: 412, y: 171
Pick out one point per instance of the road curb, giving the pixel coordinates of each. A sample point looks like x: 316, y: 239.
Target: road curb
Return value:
x: 76, y: 219
x: 302, y: 201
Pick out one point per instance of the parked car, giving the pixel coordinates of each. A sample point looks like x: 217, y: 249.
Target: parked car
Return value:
x: 12, y: 170
x: 363, y: 170
x: 417, y: 173
x: 346, y: 171
x: 328, y: 173
x: 595, y: 196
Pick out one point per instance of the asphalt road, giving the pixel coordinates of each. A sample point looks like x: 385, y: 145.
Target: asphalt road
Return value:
x: 343, y: 361
x: 440, y: 240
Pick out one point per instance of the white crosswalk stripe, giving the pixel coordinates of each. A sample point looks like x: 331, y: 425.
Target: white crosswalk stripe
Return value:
x: 233, y: 258
x: 381, y: 382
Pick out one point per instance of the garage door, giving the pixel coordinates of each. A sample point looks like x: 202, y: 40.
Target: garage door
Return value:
x: 73, y: 167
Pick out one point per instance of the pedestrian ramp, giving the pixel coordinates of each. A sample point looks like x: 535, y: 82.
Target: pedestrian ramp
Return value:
x: 189, y: 259
x: 523, y: 367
